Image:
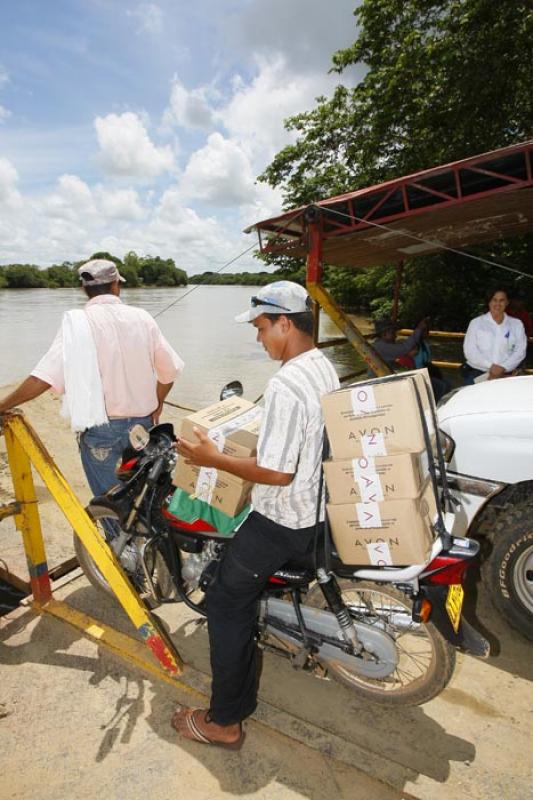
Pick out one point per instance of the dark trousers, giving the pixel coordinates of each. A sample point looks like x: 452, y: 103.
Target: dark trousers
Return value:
x: 259, y: 548
x: 469, y: 374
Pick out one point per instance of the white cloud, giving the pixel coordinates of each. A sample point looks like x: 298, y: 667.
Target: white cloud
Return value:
x: 306, y: 32
x: 5, y: 113
x: 4, y: 76
x: 126, y: 150
x: 190, y: 109
x: 9, y: 194
x: 122, y: 204
x: 256, y: 112
x: 218, y: 173
x: 71, y: 199
x: 150, y: 18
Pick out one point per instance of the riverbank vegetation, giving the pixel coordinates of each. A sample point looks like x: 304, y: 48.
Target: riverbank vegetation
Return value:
x: 443, y: 81
x: 138, y: 271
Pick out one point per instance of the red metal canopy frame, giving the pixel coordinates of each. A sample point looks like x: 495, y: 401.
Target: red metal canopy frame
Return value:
x: 456, y: 205
x: 478, y: 199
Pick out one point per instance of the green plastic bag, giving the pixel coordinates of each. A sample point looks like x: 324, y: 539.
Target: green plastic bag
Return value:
x: 190, y: 510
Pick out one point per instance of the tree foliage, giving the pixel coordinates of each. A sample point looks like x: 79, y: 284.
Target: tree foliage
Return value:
x: 210, y: 278
x: 137, y: 270
x: 445, y: 79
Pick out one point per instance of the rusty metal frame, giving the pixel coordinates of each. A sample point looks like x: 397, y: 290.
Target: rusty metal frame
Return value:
x: 340, y: 223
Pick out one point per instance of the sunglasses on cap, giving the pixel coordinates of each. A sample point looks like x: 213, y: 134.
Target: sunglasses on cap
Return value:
x: 258, y: 301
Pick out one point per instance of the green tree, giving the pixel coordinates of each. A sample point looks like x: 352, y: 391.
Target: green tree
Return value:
x: 444, y: 80
x: 24, y: 276
x: 61, y: 276
x: 156, y: 271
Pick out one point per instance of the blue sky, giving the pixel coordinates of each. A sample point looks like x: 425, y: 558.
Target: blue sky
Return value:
x: 142, y: 126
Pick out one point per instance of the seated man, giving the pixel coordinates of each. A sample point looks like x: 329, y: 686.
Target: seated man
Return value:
x: 286, y: 474
x: 410, y: 353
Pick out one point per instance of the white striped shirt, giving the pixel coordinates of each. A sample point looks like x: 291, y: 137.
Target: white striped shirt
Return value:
x: 290, y: 439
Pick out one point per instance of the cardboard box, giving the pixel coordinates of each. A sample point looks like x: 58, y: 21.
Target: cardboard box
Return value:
x: 376, y: 479
x: 217, y: 488
x: 233, y: 425
x: 392, y: 533
x: 379, y: 417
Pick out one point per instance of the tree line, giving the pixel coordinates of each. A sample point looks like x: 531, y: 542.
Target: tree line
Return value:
x: 138, y: 271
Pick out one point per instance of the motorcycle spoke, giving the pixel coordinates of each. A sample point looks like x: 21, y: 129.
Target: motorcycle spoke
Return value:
x: 415, y: 651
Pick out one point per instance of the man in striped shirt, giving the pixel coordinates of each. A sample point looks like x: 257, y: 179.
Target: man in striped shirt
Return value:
x: 281, y: 526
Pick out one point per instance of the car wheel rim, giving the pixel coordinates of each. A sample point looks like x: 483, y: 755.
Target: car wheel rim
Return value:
x: 524, y: 578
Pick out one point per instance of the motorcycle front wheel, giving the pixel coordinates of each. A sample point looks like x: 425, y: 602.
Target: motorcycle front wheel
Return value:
x: 426, y: 661
x: 107, y: 523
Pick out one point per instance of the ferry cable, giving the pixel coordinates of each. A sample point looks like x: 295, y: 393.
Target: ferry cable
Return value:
x: 433, y: 243
x: 219, y: 270
x: 199, y: 285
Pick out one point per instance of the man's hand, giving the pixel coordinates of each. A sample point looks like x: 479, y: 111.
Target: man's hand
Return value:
x: 496, y: 372
x: 203, y: 454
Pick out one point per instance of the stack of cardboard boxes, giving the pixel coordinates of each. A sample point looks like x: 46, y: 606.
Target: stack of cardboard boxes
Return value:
x: 381, y: 504
x: 233, y: 425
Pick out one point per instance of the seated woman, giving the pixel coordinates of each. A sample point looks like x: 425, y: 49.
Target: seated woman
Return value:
x: 495, y: 344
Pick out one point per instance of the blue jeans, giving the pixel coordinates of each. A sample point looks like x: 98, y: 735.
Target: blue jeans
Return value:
x: 101, y: 447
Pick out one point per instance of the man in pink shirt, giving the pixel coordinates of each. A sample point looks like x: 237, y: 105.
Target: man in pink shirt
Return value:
x: 135, y: 370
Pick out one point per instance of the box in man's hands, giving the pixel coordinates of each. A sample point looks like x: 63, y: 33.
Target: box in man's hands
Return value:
x: 379, y: 417
x: 233, y: 425
x: 390, y: 533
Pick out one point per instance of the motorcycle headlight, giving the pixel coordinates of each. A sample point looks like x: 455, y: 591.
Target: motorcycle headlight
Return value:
x: 447, y: 444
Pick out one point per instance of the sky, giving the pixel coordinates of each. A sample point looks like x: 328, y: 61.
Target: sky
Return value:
x: 143, y: 125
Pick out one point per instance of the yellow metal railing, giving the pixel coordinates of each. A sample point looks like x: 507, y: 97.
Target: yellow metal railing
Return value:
x: 343, y: 321
x: 24, y: 450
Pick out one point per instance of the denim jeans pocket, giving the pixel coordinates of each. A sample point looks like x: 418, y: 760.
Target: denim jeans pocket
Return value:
x: 100, y: 447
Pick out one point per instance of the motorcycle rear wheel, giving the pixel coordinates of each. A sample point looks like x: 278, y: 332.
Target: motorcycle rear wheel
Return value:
x: 160, y: 575
x: 426, y: 661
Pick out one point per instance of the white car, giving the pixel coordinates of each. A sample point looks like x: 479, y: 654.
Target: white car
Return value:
x: 488, y: 441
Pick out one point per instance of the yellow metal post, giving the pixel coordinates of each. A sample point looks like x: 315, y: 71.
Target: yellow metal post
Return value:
x: 27, y: 520
x: 352, y: 333
x: 314, y: 272
x: 25, y: 448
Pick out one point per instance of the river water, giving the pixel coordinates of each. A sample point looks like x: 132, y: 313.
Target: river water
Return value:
x: 200, y: 326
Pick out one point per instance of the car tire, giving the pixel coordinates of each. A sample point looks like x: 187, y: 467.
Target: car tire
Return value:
x: 508, y: 571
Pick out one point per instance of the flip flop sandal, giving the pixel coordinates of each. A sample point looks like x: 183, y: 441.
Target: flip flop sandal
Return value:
x: 193, y: 732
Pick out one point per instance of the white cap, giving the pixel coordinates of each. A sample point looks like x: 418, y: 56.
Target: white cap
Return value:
x: 99, y: 271
x: 281, y: 297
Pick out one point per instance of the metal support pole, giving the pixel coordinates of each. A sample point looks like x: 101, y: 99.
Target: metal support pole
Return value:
x: 24, y: 449
x: 325, y: 300
x: 352, y: 333
x: 28, y: 521
x: 397, y: 287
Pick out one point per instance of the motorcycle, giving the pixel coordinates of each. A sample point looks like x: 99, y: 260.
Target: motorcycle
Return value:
x: 389, y: 634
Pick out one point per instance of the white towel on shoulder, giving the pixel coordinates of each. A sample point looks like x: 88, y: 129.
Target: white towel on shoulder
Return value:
x: 84, y: 399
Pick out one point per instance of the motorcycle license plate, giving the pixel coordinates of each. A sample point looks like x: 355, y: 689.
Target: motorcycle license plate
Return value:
x: 454, y: 604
